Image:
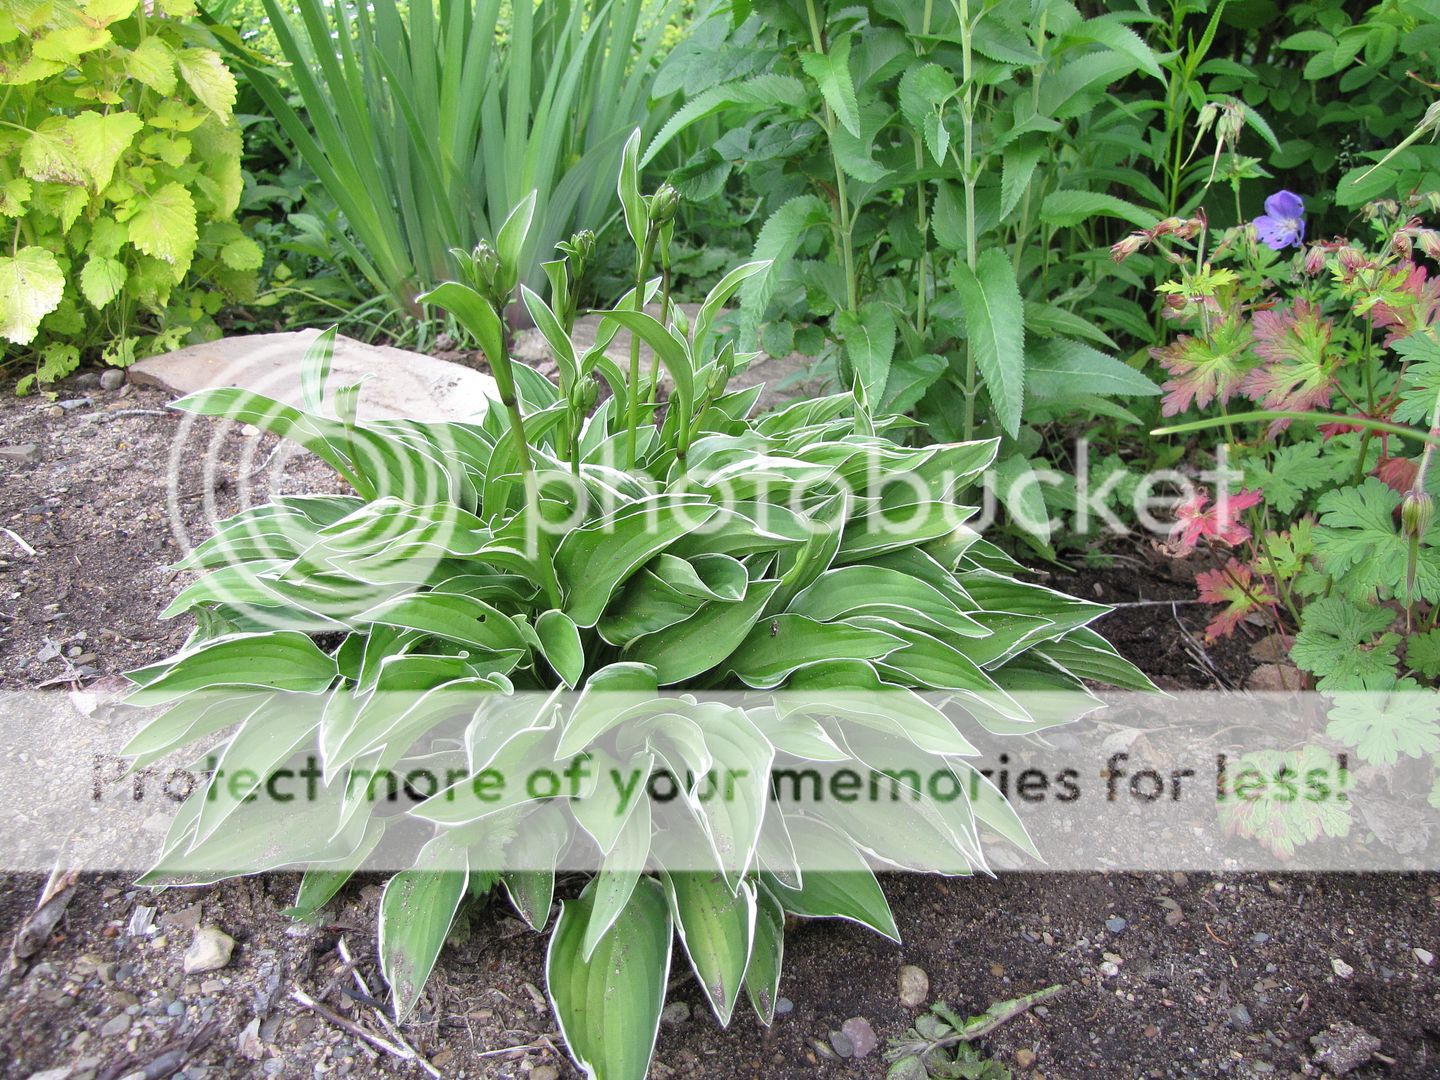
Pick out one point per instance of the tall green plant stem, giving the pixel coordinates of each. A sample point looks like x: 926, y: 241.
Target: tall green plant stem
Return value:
x: 967, y: 177
x: 922, y: 214
x: 842, y: 199
x: 505, y: 386
x: 1265, y: 415
x: 642, y: 267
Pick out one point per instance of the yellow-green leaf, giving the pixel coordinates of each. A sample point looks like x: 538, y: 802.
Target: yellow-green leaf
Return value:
x: 106, y: 12
x: 209, y: 79
x: 31, y: 286
x: 162, y: 224
x: 101, y: 280
x: 14, y: 194
x: 99, y: 141
x: 242, y: 254
x: 67, y: 43
x: 152, y: 63
x: 49, y: 154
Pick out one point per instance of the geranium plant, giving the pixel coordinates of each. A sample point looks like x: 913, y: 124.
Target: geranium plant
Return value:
x: 706, y: 549
x: 1320, y: 362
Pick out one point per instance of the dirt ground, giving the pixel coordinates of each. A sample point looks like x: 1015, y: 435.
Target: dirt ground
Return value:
x: 1163, y: 975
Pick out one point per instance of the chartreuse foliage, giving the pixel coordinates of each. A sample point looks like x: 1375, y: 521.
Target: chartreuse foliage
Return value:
x: 733, y: 552
x: 119, y: 175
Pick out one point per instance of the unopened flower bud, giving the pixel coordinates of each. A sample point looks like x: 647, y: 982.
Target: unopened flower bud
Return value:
x: 587, y: 393
x: 579, y: 248
x: 663, y: 205
x: 1429, y: 241
x: 1314, y: 259
x: 1352, y: 259
x: 1417, y: 511
x: 1122, y: 249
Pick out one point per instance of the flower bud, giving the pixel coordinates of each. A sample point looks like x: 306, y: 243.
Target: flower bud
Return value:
x: 663, y: 205
x: 1352, y: 259
x: 1430, y: 242
x: 578, y: 249
x: 1124, y: 248
x: 1314, y: 260
x: 587, y: 393
x: 1417, y: 511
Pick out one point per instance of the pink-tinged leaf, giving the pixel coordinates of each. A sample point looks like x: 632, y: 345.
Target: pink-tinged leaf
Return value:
x: 1406, y: 300
x: 1236, y: 587
x: 1220, y: 522
x: 1299, y: 368
x: 1205, y: 369
x: 1397, y: 473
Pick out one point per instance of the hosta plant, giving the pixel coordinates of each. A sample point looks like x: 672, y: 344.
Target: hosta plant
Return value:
x: 119, y: 179
x: 435, y: 616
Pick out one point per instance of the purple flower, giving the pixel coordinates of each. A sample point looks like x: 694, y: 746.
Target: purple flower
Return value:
x: 1283, y: 223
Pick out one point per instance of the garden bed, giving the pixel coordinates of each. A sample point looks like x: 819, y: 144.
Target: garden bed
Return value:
x: 1214, y: 975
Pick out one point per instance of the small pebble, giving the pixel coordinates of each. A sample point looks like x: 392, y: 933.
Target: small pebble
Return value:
x: 784, y: 1006
x: 115, y: 1027
x: 209, y: 951
x: 1024, y: 1057
x: 1115, y: 924
x: 1425, y: 956
x: 112, y: 379
x: 544, y: 1072
x: 677, y: 1012
x: 1240, y: 1018
x: 914, y: 986
x: 1342, y: 969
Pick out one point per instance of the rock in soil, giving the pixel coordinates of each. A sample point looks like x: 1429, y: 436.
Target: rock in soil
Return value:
x: 861, y: 1036
x: 209, y: 950
x: 112, y: 379
x: 1343, y: 1048
x: 914, y: 986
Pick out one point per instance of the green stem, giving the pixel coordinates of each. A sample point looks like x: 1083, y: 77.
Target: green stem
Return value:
x: 842, y: 200
x: 1266, y: 415
x: 642, y: 267
x: 967, y: 110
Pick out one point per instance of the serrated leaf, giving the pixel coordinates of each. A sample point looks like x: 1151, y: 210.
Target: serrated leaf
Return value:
x: 831, y: 72
x: 162, y: 225
x: 14, y: 194
x: 209, y: 80
x: 1057, y: 368
x: 242, y: 254
x: 1361, y: 547
x: 1383, y: 726
x: 1338, y: 642
x: 1066, y: 208
x: 48, y: 154
x: 1422, y: 653
x: 1017, y: 166
x: 868, y: 337
x: 1295, y: 468
x: 152, y: 64
x: 31, y: 286
x: 100, y: 140
x: 994, y: 321
x: 925, y: 89
x: 101, y: 279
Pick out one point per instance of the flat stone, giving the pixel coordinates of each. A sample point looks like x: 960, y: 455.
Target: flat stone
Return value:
x: 21, y: 452
x: 1343, y: 1047
x: 402, y: 383
x: 860, y: 1035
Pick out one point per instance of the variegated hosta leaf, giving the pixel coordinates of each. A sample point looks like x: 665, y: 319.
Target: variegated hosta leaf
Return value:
x: 804, y: 554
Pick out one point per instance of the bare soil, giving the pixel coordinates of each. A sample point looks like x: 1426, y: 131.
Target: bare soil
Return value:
x: 1235, y: 984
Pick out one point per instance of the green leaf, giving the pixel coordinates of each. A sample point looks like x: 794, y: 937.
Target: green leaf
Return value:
x: 704, y: 640
x: 717, y: 928
x: 31, y: 286
x: 209, y: 80
x: 464, y: 620
x: 281, y: 660
x: 637, y: 220
x: 162, y: 225
x: 560, y: 344
x: 1422, y: 653
x: 831, y: 72
x: 510, y: 239
x: 609, y: 1006
x: 1057, y: 368
x: 1066, y: 208
x: 315, y: 369
x: 1382, y: 727
x: 868, y: 337
x: 925, y: 89
x: 910, y: 378
x: 1017, y: 166
x: 1294, y: 469
x: 1337, y: 642
x: 1363, y: 550
x: 99, y: 140
x: 560, y: 641
x: 762, y: 977
x: 846, y: 890
x: 776, y: 649
x: 416, y: 910
x: 994, y: 320
x: 776, y: 245
x: 152, y: 63
x: 476, y: 316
